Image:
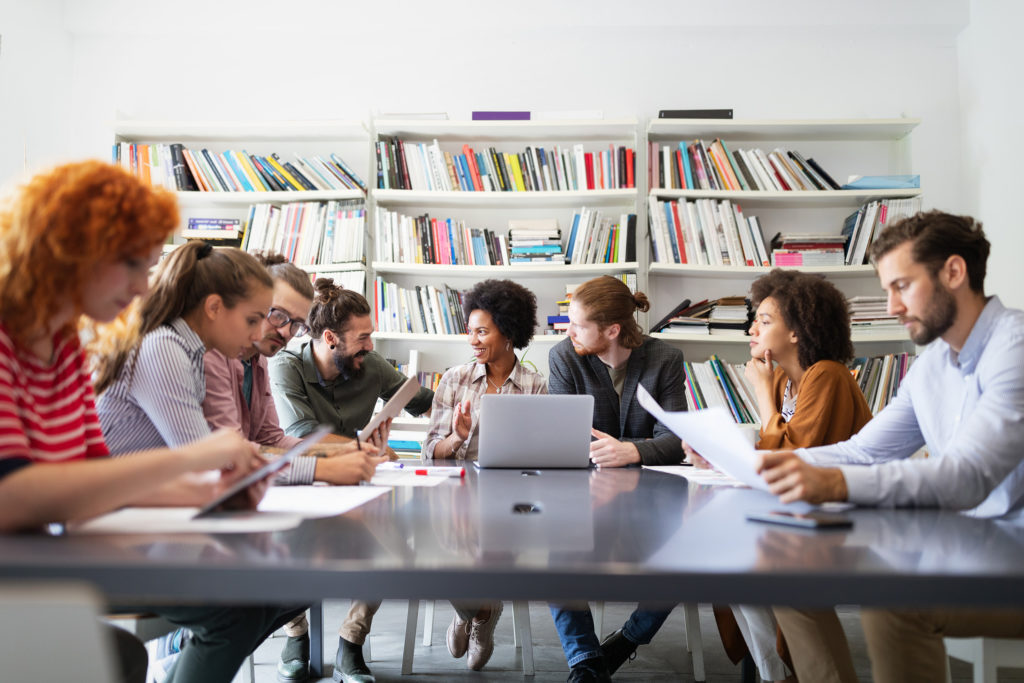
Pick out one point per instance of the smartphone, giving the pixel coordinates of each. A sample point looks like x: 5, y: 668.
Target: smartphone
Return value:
x: 807, y: 520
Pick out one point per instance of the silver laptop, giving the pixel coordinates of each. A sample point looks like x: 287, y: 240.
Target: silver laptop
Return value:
x: 535, y: 430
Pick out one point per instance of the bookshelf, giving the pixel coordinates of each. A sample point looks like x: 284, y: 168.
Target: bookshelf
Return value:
x: 493, y: 210
x: 288, y: 139
x: 843, y: 147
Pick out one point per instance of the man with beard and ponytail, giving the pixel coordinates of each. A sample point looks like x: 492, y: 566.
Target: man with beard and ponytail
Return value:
x: 963, y: 400
x: 607, y: 355
x: 335, y: 377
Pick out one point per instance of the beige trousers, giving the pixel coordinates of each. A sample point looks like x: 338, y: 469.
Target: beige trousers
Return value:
x: 354, y: 629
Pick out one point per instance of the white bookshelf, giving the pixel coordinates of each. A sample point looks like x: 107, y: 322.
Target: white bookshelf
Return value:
x: 557, y: 271
x: 504, y: 200
x: 201, y: 200
x: 843, y: 147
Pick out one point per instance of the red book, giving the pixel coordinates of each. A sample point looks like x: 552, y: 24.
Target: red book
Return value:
x: 406, y: 185
x: 630, y: 162
x: 678, y: 171
x: 478, y: 183
x: 782, y: 181
x: 588, y: 159
x: 679, y: 229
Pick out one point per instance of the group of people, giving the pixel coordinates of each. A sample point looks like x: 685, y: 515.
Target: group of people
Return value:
x: 194, y: 373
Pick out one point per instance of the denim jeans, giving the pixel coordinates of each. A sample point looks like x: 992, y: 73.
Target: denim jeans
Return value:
x: 579, y: 641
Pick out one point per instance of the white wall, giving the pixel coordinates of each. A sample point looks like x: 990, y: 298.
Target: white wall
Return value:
x: 991, y: 104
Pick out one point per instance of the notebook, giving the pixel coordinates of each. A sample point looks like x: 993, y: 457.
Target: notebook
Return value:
x: 535, y: 430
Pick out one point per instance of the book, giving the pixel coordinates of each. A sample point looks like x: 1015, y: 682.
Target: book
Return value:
x: 500, y: 116
x: 695, y: 113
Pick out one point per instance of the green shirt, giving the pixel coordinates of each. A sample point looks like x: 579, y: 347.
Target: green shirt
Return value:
x: 304, y: 400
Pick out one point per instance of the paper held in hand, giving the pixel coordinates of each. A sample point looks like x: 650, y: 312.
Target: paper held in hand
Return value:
x: 714, y: 435
x: 394, y: 405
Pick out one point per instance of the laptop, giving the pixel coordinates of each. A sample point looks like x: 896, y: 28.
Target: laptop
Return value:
x: 535, y: 430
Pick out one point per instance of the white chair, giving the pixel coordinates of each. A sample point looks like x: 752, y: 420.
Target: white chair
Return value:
x: 39, y: 620
x: 694, y: 640
x: 986, y: 654
x: 521, y: 634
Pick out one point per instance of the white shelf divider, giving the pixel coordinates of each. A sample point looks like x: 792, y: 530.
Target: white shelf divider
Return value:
x: 208, y: 199
x: 535, y: 199
x: 737, y: 272
x: 784, y: 129
x: 553, y: 270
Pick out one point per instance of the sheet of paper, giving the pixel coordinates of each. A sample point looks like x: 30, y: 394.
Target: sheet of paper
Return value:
x: 318, y: 501
x: 179, y: 521
x: 404, y: 477
x: 713, y: 434
x: 697, y: 475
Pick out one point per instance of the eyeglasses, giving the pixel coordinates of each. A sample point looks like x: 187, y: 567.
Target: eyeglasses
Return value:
x: 279, y: 318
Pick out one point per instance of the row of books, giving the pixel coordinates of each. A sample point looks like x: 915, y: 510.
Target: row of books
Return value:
x: 354, y: 280
x: 422, y: 310
x: 729, y: 315
x: 717, y: 383
x: 535, y: 241
x: 808, y: 249
x: 705, y: 232
x: 176, y: 167
x: 408, y: 165
x: 308, y: 233
x: 861, y: 228
x: 869, y: 314
x: 448, y: 241
x: 598, y: 238
x: 700, y: 166
x: 559, y: 323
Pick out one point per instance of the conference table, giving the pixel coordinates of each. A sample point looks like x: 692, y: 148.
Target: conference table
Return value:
x: 627, y: 534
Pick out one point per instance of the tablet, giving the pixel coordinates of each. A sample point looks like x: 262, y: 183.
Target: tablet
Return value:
x: 265, y: 471
x: 394, y: 406
x: 808, y: 520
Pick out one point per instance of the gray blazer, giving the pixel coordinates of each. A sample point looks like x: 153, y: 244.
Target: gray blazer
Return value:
x: 656, y: 365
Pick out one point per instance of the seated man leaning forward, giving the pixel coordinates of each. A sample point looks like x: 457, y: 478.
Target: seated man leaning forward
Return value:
x: 607, y: 355
x: 335, y: 378
x: 963, y: 399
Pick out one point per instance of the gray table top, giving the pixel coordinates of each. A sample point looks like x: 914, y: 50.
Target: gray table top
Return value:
x: 626, y: 535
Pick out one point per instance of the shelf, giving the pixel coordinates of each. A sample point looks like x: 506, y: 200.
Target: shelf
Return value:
x: 741, y: 130
x: 579, y: 130
x: 333, y: 267
x: 552, y: 270
x: 208, y: 199
x: 451, y: 338
x: 249, y: 132
x: 857, y: 337
x: 788, y: 200
x: 723, y: 272
x: 538, y: 199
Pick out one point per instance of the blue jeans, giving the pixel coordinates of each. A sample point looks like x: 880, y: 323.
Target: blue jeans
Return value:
x: 579, y: 641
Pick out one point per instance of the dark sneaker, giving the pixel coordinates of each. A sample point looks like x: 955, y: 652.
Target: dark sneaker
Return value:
x: 593, y: 670
x: 617, y: 649
x: 349, y: 665
x: 294, y: 663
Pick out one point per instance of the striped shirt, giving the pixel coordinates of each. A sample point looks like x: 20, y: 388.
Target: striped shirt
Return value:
x: 157, y: 400
x: 469, y: 382
x: 47, y: 410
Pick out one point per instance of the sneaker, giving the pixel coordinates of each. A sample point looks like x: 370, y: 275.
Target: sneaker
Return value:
x: 617, y: 649
x: 170, y: 643
x: 294, y: 663
x: 457, y: 637
x: 349, y: 665
x: 593, y: 670
x: 481, y: 639
x: 159, y: 668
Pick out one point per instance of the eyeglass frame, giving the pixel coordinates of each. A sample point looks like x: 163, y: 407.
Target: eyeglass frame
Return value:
x: 303, y: 326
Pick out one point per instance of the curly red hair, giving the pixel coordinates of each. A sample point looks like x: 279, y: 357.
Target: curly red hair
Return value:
x: 60, y: 225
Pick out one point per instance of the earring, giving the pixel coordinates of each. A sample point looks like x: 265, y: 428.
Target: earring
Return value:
x: 332, y: 347
x: 508, y: 345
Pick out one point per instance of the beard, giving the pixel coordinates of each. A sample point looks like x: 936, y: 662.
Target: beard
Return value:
x: 346, y: 363
x: 938, y: 317
x: 602, y: 346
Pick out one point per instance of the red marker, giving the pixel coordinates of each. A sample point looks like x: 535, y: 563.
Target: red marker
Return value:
x: 442, y: 472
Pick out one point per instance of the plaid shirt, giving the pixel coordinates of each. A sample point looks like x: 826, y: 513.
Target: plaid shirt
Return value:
x: 469, y: 382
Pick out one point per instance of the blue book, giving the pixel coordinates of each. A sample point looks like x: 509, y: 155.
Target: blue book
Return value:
x: 540, y: 249
x: 670, y: 217
x: 572, y: 236
x: 687, y: 171
x: 451, y: 240
x: 239, y: 173
x: 467, y: 172
x: 552, y: 319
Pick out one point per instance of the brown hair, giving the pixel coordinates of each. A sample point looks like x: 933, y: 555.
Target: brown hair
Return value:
x: 60, y: 225
x: 182, y: 282
x: 333, y: 307
x: 607, y: 301
x: 813, y: 308
x: 936, y: 236
x: 282, y: 269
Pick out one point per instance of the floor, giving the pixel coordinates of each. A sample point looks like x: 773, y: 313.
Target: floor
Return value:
x: 663, y: 660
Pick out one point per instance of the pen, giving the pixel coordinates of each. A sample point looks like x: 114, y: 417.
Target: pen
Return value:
x: 442, y: 472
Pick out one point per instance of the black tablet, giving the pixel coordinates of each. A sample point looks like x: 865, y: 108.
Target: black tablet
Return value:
x: 265, y: 471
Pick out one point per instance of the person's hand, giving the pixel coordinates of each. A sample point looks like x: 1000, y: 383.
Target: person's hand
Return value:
x: 224, y: 449
x: 608, y: 451
x: 349, y: 468
x: 760, y: 373
x: 250, y: 497
x: 462, y: 421
x: 693, y: 457
x: 379, y: 437
x: 792, y: 479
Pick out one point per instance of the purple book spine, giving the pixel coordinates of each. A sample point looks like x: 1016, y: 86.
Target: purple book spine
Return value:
x: 501, y: 116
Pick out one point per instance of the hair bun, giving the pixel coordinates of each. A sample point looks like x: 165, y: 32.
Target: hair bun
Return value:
x: 641, y: 301
x: 326, y: 290
x: 269, y: 258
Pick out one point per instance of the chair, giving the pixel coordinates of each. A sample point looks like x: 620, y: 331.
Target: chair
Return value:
x: 522, y: 636
x: 694, y: 640
x: 41, y: 619
x: 986, y: 654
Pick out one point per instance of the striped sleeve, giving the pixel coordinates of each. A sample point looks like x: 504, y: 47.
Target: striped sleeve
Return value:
x: 13, y: 438
x: 166, y: 389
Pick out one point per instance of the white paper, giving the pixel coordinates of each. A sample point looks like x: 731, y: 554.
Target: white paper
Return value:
x: 713, y: 434
x: 404, y: 478
x: 318, y: 501
x: 179, y: 520
x: 697, y: 475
